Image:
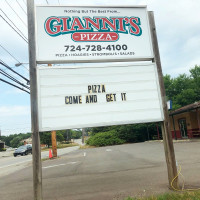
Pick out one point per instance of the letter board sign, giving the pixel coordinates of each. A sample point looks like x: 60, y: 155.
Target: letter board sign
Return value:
x: 114, y: 94
x: 87, y: 34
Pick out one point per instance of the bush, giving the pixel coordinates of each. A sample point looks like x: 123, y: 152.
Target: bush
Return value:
x: 2, y: 149
x: 104, y: 139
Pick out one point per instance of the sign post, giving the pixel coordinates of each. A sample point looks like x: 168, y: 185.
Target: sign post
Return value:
x: 167, y: 137
x: 36, y: 152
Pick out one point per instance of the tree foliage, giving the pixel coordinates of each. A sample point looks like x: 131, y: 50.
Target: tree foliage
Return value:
x: 45, y: 137
x: 184, y: 89
x: 104, y: 139
x: 15, y: 140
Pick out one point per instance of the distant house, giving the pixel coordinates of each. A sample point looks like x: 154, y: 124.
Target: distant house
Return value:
x: 27, y: 141
x: 2, y: 144
x: 185, y: 121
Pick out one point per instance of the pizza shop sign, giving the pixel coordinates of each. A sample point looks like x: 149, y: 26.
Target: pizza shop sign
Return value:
x: 79, y: 34
x: 83, y: 29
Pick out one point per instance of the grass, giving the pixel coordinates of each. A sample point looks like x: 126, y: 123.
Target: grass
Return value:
x: 171, y: 196
x: 86, y: 147
x: 61, y: 146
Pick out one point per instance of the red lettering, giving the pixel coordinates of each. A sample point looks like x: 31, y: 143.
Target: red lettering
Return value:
x: 135, y: 29
x: 121, y: 24
x: 109, y: 23
x: 55, y: 28
x: 76, y: 23
x: 90, y: 21
x: 65, y: 24
x: 95, y: 36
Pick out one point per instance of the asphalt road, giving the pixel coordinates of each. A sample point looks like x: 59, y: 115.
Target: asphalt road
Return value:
x: 10, y: 164
x: 107, y: 173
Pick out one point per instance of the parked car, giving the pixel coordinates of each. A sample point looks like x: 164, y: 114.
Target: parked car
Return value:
x: 23, y: 150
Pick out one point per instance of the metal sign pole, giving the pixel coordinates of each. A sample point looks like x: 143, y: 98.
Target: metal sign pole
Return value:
x: 167, y: 137
x: 36, y: 152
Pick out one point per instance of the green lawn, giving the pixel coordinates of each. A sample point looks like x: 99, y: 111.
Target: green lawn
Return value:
x: 172, y: 196
x: 61, y: 146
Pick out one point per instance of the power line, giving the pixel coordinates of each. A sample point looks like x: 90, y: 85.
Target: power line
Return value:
x: 24, y: 3
x: 12, y: 56
x: 21, y: 7
x: 16, y: 128
x: 16, y: 13
x: 13, y: 79
x: 13, y: 85
x: 5, y: 65
x: 13, y: 28
x: 9, y: 68
x: 14, y: 24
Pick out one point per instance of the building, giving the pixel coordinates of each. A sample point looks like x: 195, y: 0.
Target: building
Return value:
x: 185, y: 121
x: 2, y: 145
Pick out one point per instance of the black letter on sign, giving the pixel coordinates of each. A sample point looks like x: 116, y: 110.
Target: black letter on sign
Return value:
x: 123, y: 96
x: 89, y: 88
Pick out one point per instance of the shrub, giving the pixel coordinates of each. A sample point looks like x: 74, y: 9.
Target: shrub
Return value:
x: 2, y: 149
x: 104, y: 139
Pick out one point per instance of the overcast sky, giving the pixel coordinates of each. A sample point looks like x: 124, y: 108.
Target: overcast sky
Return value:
x: 178, y: 30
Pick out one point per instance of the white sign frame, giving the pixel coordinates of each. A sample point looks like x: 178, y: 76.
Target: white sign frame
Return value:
x: 116, y: 58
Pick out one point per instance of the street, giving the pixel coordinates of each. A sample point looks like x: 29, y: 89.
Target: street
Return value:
x: 11, y: 164
x: 106, y: 173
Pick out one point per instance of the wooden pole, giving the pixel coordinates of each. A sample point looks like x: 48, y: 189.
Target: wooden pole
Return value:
x: 36, y: 151
x: 83, y: 134
x: 167, y: 136
x: 53, y: 138
x: 54, y: 143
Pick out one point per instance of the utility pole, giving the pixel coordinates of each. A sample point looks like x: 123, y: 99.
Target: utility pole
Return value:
x: 36, y: 151
x: 167, y: 136
x: 53, y: 138
x: 83, y: 134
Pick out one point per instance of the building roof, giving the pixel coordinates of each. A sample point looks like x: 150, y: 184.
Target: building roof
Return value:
x: 187, y: 108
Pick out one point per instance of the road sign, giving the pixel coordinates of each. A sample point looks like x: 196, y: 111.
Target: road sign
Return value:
x: 86, y: 34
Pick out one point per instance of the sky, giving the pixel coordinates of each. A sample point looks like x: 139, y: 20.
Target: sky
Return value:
x: 178, y: 31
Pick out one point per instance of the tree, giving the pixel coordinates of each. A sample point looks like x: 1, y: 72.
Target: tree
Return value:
x: 184, y: 89
x: 195, y: 75
x: 59, y: 137
x: 45, y: 138
x: 16, y: 142
x: 76, y: 134
x: 8, y: 139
